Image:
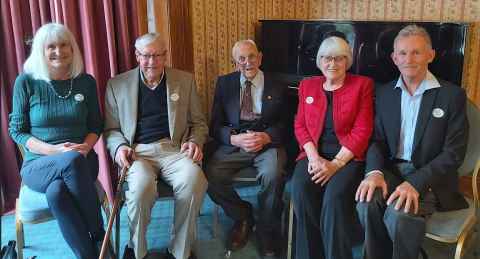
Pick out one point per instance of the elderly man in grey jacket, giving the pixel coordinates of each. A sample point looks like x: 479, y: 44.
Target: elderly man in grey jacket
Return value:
x: 154, y: 126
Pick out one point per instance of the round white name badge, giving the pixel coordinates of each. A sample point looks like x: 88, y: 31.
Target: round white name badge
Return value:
x: 79, y: 97
x: 309, y: 100
x: 438, y: 113
x: 174, y: 97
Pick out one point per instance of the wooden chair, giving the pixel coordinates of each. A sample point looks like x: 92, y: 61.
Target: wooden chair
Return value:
x: 32, y: 208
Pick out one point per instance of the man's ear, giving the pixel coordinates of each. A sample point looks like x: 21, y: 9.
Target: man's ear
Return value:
x: 432, y: 55
x: 137, y: 57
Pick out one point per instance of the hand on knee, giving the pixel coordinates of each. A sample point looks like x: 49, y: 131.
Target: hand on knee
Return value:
x: 405, y: 197
x: 369, y: 186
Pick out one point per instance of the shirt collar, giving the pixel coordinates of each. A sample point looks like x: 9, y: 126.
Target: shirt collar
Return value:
x: 256, y: 81
x: 158, y: 83
x: 428, y: 83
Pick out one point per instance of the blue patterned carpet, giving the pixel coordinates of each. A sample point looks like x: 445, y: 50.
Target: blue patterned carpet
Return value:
x: 45, y: 241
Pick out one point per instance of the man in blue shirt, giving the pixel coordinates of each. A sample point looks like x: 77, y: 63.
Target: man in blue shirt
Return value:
x: 420, y: 139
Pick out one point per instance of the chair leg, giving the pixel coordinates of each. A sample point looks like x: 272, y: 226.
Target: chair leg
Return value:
x: 215, y: 221
x: 117, y: 230
x: 19, y: 231
x: 290, y: 230
x: 461, y: 239
x: 460, y: 243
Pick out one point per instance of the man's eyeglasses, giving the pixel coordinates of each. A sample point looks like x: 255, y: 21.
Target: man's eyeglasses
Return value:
x: 243, y: 60
x: 336, y: 59
x: 148, y: 56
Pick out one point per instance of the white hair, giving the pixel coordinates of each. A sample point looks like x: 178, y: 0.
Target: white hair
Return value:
x: 147, y: 39
x: 335, y: 46
x: 413, y: 30
x: 36, y: 64
x: 242, y: 42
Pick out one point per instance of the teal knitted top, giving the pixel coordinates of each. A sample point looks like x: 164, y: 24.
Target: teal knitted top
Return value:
x: 38, y: 111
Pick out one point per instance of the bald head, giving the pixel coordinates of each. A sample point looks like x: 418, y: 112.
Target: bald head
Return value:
x: 242, y: 43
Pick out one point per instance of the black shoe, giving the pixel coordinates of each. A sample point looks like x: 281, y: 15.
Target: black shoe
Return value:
x: 128, y: 253
x: 239, y: 234
x: 266, y: 243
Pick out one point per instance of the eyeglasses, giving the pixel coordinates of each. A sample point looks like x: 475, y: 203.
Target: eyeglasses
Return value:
x: 336, y: 59
x: 243, y: 60
x: 148, y: 56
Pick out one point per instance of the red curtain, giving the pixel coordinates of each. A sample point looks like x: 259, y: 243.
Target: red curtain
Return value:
x: 105, y: 31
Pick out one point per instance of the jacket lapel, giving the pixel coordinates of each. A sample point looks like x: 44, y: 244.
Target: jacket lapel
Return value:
x: 426, y: 107
x: 132, y: 90
x: 267, y: 95
x: 234, y: 100
x: 394, y: 116
x: 173, y: 97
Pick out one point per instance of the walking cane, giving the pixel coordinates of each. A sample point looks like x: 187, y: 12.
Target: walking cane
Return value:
x: 123, y: 174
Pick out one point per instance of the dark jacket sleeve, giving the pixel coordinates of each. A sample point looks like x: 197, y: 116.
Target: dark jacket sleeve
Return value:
x: 377, y: 150
x: 218, y: 130
x: 276, y: 127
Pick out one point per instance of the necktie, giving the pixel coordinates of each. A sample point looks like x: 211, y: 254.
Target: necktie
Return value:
x: 246, y: 108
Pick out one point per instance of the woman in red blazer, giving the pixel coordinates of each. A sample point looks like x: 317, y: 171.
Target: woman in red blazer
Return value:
x: 333, y: 126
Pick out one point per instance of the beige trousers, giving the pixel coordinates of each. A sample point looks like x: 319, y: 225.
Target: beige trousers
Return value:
x: 163, y: 159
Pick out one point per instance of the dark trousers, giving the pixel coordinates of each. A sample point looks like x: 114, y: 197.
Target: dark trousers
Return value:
x: 325, y: 214
x: 391, y: 233
x: 222, y: 167
x: 68, y: 181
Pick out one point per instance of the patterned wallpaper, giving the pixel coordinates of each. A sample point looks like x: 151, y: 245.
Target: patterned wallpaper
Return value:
x: 217, y: 24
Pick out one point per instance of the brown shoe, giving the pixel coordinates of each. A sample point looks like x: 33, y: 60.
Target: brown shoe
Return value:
x: 239, y: 234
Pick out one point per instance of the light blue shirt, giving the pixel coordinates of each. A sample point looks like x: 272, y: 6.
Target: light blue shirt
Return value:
x: 410, y: 106
x: 256, y: 90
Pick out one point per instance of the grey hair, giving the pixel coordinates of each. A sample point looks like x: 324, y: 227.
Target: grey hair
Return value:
x: 36, y: 64
x: 335, y: 46
x: 413, y: 30
x: 242, y: 42
x: 146, y: 39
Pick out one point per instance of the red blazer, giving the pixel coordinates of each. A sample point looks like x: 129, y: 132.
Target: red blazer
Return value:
x: 352, y: 113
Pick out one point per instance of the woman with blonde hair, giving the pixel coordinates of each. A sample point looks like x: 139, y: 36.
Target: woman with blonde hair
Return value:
x: 56, y: 119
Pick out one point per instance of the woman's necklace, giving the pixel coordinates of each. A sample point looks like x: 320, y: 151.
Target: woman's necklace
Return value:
x: 63, y: 96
